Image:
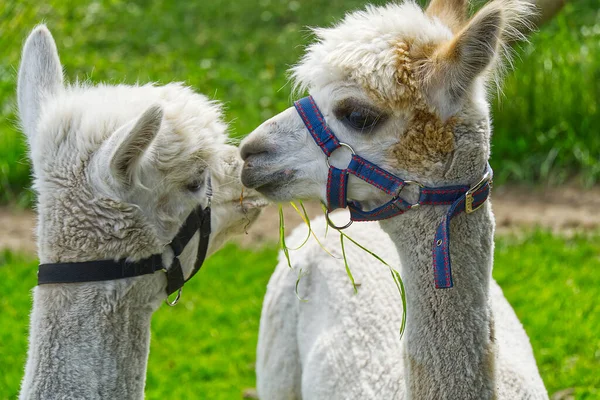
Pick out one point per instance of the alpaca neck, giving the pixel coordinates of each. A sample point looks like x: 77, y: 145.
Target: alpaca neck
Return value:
x: 449, y: 332
x: 89, y: 341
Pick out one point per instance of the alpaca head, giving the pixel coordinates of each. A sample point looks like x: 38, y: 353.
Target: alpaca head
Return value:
x: 118, y: 168
x: 404, y: 87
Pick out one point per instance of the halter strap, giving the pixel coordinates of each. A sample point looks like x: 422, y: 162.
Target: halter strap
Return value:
x: 315, y: 122
x: 337, y: 188
x: 105, y: 270
x: 98, y: 270
x: 460, y: 198
x: 197, y: 221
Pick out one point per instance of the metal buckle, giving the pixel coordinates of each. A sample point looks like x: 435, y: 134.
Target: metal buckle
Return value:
x: 469, y: 195
x: 341, y: 144
x: 174, y: 302
x: 178, y: 296
x: 331, y: 224
x: 406, y: 183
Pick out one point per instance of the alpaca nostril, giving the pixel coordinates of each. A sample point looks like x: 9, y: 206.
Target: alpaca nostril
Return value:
x: 250, y: 149
x: 251, y: 160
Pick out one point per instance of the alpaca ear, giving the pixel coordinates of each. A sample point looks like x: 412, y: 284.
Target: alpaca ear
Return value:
x: 129, y: 143
x: 40, y: 76
x: 453, y: 13
x: 453, y: 67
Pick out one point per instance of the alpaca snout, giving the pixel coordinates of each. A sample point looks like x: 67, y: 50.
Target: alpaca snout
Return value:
x: 257, y: 154
x: 251, y: 153
x: 254, y: 146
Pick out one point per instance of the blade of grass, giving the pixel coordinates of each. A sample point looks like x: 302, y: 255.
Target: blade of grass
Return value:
x: 300, y: 276
x: 395, y: 275
x: 400, y: 286
x: 365, y: 249
x: 346, y: 263
x: 306, y: 220
x: 282, y: 237
x: 325, y: 212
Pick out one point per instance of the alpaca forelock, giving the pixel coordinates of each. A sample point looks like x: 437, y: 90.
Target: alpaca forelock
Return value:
x: 393, y: 51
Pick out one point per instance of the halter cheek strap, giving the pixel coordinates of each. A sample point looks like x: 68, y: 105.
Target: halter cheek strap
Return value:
x: 337, y: 188
x: 105, y: 270
x: 460, y: 198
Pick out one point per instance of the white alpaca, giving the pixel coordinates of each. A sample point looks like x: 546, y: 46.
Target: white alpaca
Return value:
x: 406, y: 90
x: 117, y: 170
x: 342, y: 345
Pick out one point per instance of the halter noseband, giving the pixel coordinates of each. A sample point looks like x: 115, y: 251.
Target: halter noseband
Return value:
x: 460, y: 198
x: 106, y: 270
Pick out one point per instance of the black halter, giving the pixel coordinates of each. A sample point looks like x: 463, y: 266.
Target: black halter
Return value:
x: 106, y: 270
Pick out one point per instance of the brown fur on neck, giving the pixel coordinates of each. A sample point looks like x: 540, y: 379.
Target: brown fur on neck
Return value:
x: 427, y: 141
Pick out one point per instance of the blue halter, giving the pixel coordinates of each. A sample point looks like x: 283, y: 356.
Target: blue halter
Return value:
x: 460, y: 198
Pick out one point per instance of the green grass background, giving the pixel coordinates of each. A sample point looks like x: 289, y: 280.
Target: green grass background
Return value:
x: 205, y: 347
x: 238, y: 52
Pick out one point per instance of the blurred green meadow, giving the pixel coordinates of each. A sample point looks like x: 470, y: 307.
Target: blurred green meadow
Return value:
x: 205, y: 347
x: 238, y: 52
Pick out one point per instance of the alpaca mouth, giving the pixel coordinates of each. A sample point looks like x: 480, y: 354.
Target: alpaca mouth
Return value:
x: 252, y: 203
x: 247, y: 200
x: 250, y: 199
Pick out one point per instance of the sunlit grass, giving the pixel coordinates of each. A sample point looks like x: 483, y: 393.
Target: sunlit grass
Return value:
x: 554, y: 286
x: 545, y: 125
x: 205, y: 347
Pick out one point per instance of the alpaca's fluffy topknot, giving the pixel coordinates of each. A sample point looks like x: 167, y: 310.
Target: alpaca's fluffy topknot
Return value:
x: 363, y: 44
x: 185, y: 129
x: 363, y: 47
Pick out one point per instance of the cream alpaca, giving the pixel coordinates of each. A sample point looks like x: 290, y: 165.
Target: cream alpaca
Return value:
x: 406, y: 89
x: 117, y: 170
x: 341, y: 345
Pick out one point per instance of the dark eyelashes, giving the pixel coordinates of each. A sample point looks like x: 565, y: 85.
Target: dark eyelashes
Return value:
x: 362, y: 119
x: 358, y: 116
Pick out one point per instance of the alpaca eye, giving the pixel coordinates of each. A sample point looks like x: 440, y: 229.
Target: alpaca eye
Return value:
x: 361, y: 119
x: 195, y: 186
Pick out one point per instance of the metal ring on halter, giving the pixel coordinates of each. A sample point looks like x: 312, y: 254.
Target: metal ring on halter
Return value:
x: 174, y: 302
x: 331, y: 224
x: 406, y: 183
x: 341, y: 144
